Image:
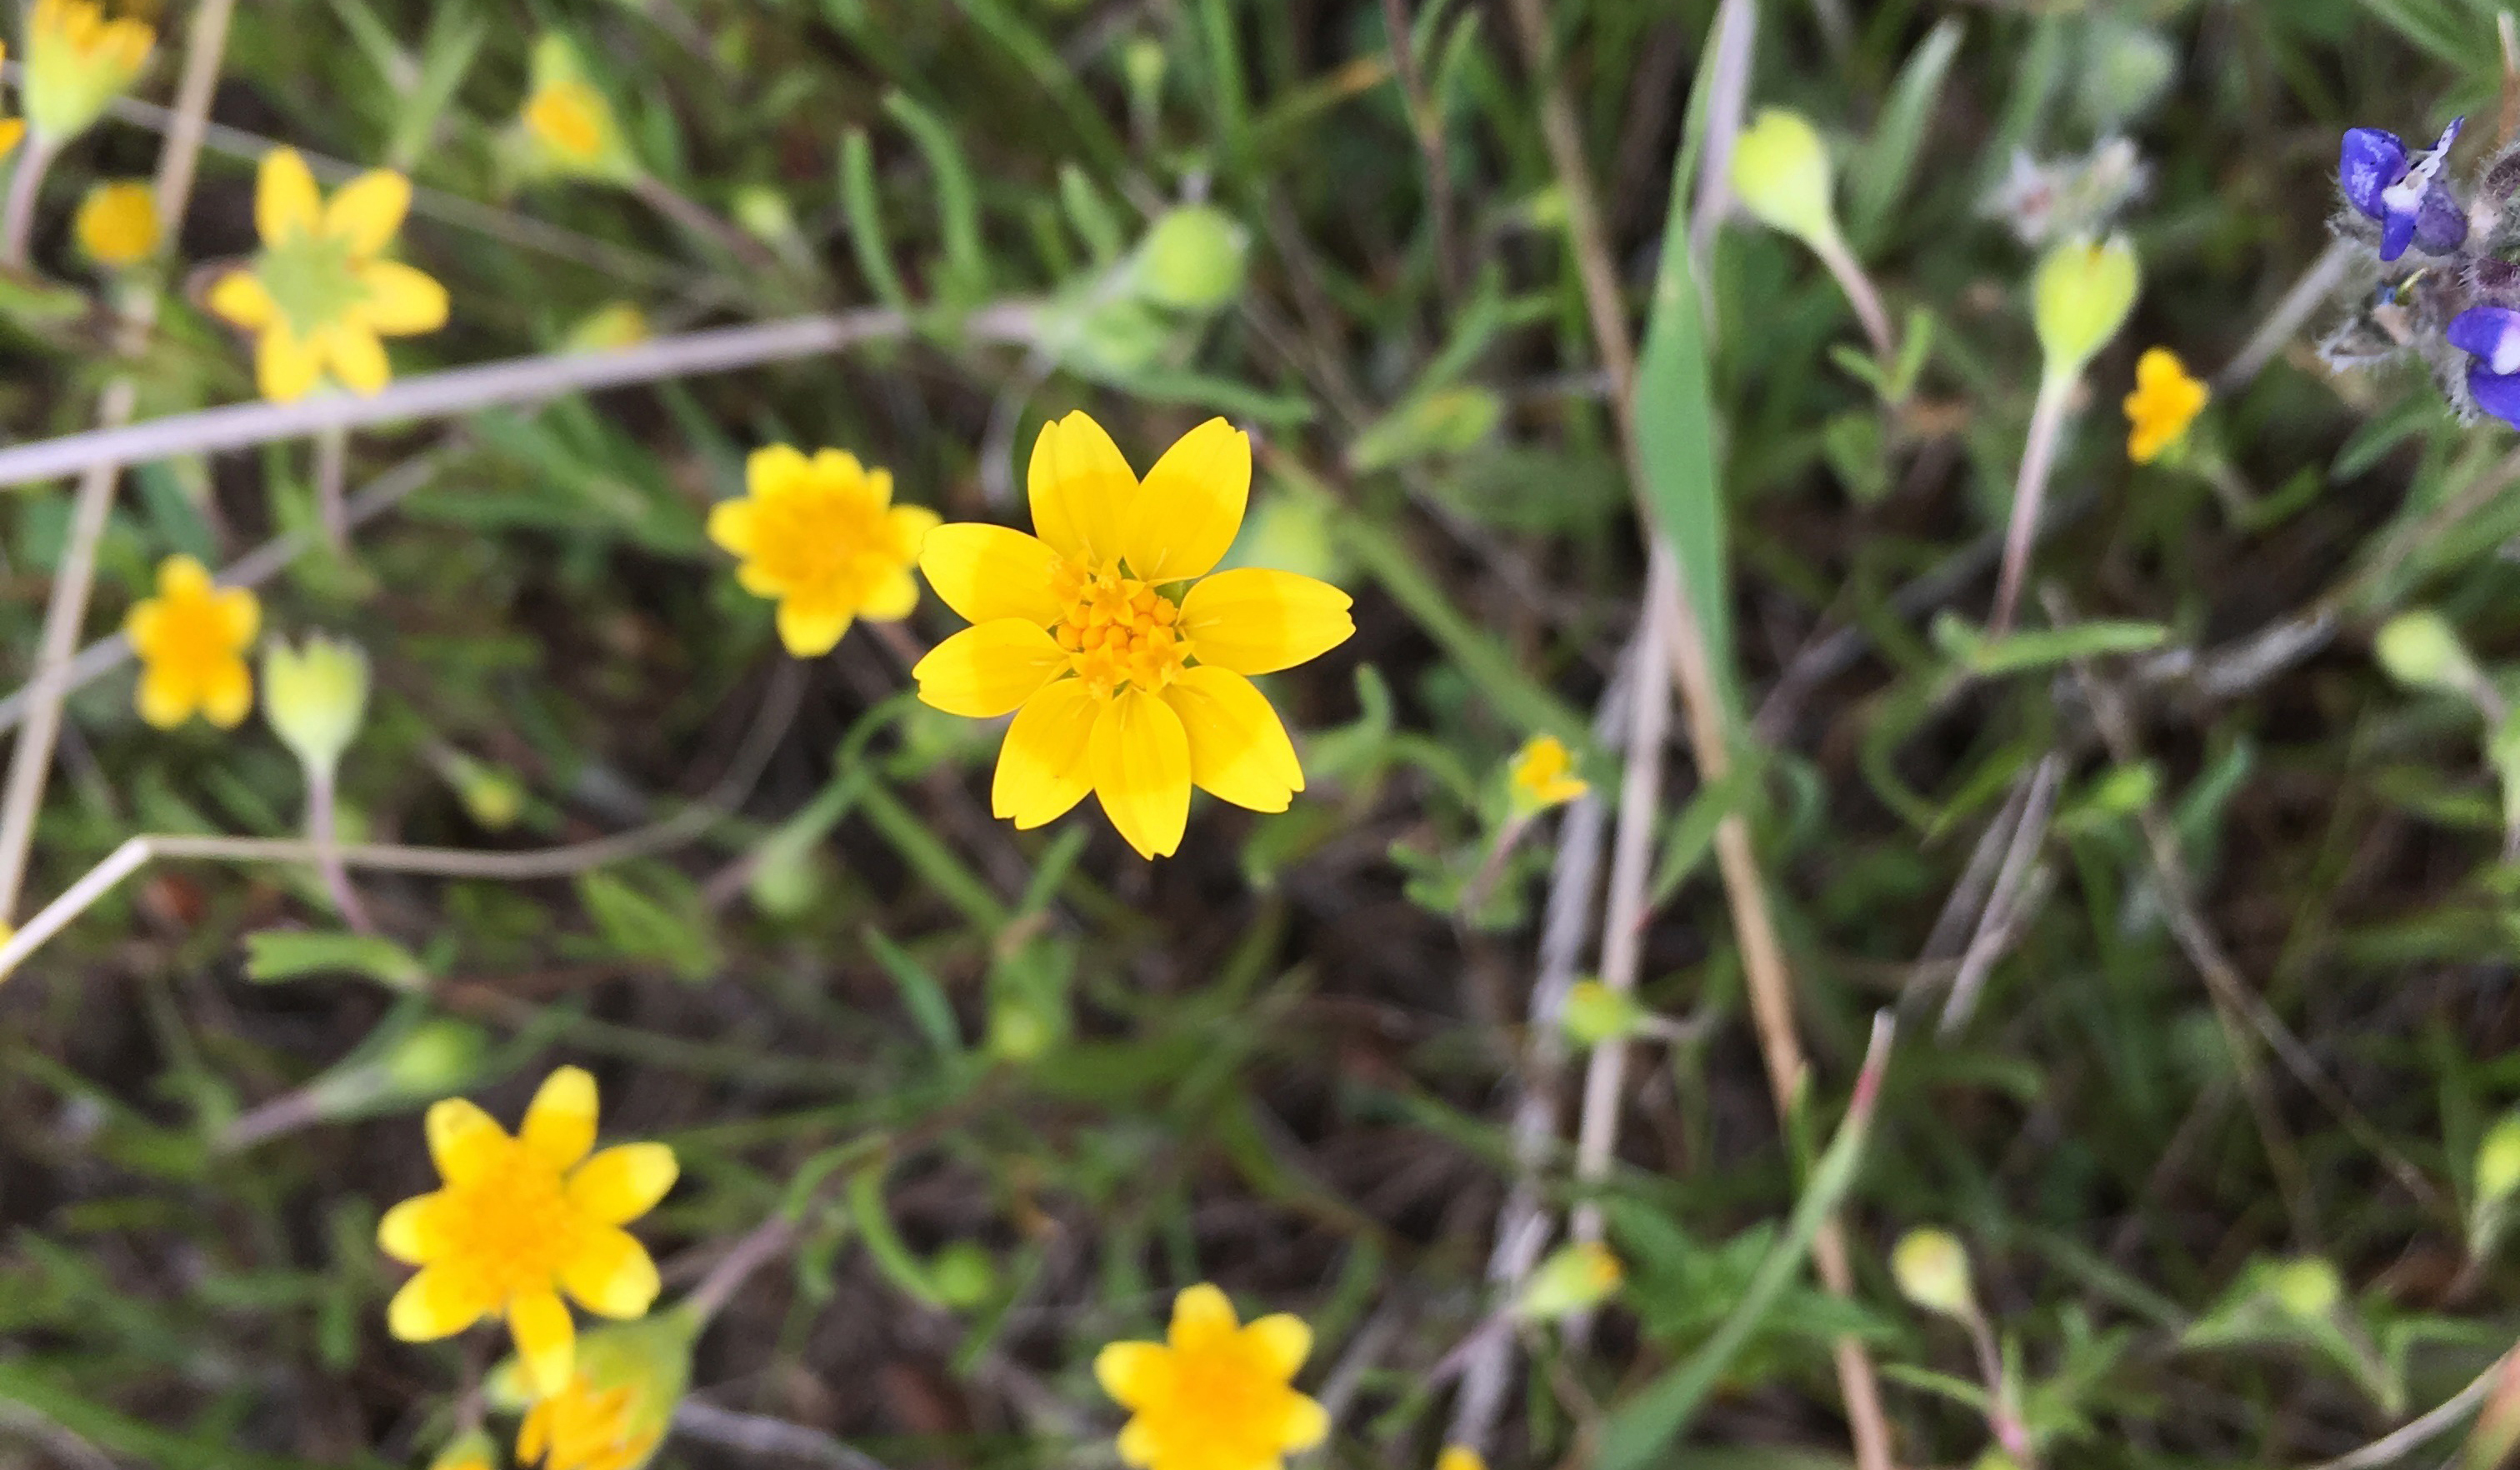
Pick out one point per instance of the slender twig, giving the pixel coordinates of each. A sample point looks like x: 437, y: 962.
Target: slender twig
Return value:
x: 1736, y: 34
x: 323, y: 795
x: 2037, y: 459
x: 331, y: 468
x: 761, y: 1434
x: 25, y: 182
x: 764, y: 1243
x: 530, y: 380
x: 1995, y: 926
x: 701, y: 220
x: 2389, y: 1447
x: 2308, y: 294
x: 1860, y: 294
x: 1768, y: 981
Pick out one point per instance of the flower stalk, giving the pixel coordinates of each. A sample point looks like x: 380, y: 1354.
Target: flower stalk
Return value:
x: 26, y: 183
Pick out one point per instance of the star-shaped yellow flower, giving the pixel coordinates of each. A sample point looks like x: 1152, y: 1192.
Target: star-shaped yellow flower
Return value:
x: 117, y: 223
x: 2164, y: 401
x: 321, y: 293
x: 518, y: 1220
x: 1125, y: 663
x: 1542, y: 776
x: 1216, y: 1395
x: 823, y: 537
x: 191, y: 639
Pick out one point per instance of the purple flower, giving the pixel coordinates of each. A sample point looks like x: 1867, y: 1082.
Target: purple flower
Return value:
x: 2403, y: 192
x: 2492, y: 335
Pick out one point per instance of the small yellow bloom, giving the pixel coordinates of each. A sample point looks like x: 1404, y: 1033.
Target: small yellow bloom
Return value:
x: 1217, y: 1394
x: 614, y: 1411
x: 118, y: 224
x: 608, y: 328
x: 1543, y: 776
x: 823, y: 537
x: 566, y: 118
x: 320, y: 293
x: 1461, y: 1457
x: 2164, y: 401
x: 191, y: 639
x: 518, y: 1220
x: 568, y: 126
x: 12, y: 130
x: 1126, y: 665
x: 77, y: 62
x: 1575, y: 1278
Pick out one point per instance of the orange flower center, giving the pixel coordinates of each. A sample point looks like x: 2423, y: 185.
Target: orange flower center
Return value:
x: 191, y: 633
x: 1118, y: 630
x: 514, y: 1223
x: 819, y: 538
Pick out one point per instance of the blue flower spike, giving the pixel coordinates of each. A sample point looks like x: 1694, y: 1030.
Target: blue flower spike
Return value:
x: 2492, y: 335
x: 2403, y: 192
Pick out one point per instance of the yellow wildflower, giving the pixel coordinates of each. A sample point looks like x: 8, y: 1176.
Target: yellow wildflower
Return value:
x: 521, y: 1219
x: 1217, y: 1394
x: 1124, y: 679
x: 567, y: 118
x: 77, y: 62
x: 1461, y: 1457
x: 12, y: 130
x: 823, y: 537
x: 191, y: 639
x: 2164, y: 401
x: 470, y: 1450
x: 320, y: 293
x: 1543, y: 776
x: 1575, y: 1278
x: 117, y: 223
x: 568, y: 126
x: 613, y: 1412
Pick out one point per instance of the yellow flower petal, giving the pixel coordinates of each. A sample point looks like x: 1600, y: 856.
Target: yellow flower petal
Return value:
x: 893, y: 598
x: 560, y: 1123
x: 908, y: 527
x: 286, y: 365
x: 1134, y: 1374
x: 1256, y: 621
x: 183, y: 578
x: 440, y: 1302
x: 462, y: 1140
x: 1280, y: 1342
x: 1202, y: 1315
x: 1239, y: 749
x: 986, y: 572
x: 11, y: 132
x: 240, y: 298
x: 166, y: 697
x: 811, y: 627
x: 1138, y: 1444
x: 144, y: 625
x: 358, y: 359
x: 986, y: 671
x: 546, y: 1338
x: 417, y: 1230
x: 1141, y: 763
x: 367, y: 210
x: 240, y: 614
x: 402, y: 301
x: 1043, y: 767
x: 729, y: 525
x: 227, y: 694
x: 285, y: 201
x: 774, y: 469
x: 1080, y: 488
x: 533, y: 1436
x: 1185, y: 515
x: 829, y: 467
x: 1306, y: 1425
x: 611, y: 1275
x: 623, y: 1182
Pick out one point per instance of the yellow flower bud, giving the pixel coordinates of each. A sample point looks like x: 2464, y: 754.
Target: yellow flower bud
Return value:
x: 608, y: 328
x: 1574, y: 1278
x: 2307, y: 1287
x: 77, y: 63
x: 1596, y: 1013
x: 2421, y: 650
x: 2498, y: 1161
x: 1191, y: 260
x: 568, y: 127
x: 116, y: 225
x: 1932, y: 1268
x: 315, y: 698
x: 627, y: 1380
x: 1781, y: 171
x: 2080, y: 299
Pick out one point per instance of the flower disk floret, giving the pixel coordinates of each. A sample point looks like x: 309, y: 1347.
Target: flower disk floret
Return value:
x: 1125, y: 657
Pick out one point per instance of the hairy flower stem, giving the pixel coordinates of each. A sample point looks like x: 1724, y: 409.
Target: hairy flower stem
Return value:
x: 323, y: 834
x: 25, y: 182
x: 2038, y: 461
x: 1860, y: 294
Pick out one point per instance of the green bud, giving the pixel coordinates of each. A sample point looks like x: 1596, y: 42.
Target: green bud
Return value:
x: 437, y: 1057
x: 2125, y: 68
x: 76, y: 64
x: 1193, y: 259
x: 1019, y: 1032
x: 1574, y: 1278
x: 2124, y: 790
x: 962, y: 1275
x: 492, y: 795
x: 1596, y: 1013
x: 1932, y: 1268
x: 1142, y: 65
x: 2080, y: 299
x: 2421, y: 650
x: 2307, y: 1287
x: 787, y: 879
x: 566, y: 127
x: 1781, y: 171
x: 608, y: 328
x: 628, y: 1379
x: 472, y: 1449
x: 2498, y: 1161
x: 315, y: 698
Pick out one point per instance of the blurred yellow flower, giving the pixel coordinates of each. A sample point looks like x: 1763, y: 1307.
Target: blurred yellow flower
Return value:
x: 1123, y: 680
x: 320, y: 293
x: 568, y: 126
x: 1575, y: 1278
x: 77, y: 62
x: 1217, y: 1394
x: 117, y: 223
x: 1543, y: 776
x: 2164, y: 401
x: 521, y: 1219
x: 566, y: 118
x: 1461, y: 1457
x: 12, y: 130
x: 822, y: 538
x: 613, y: 1412
x: 191, y: 639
